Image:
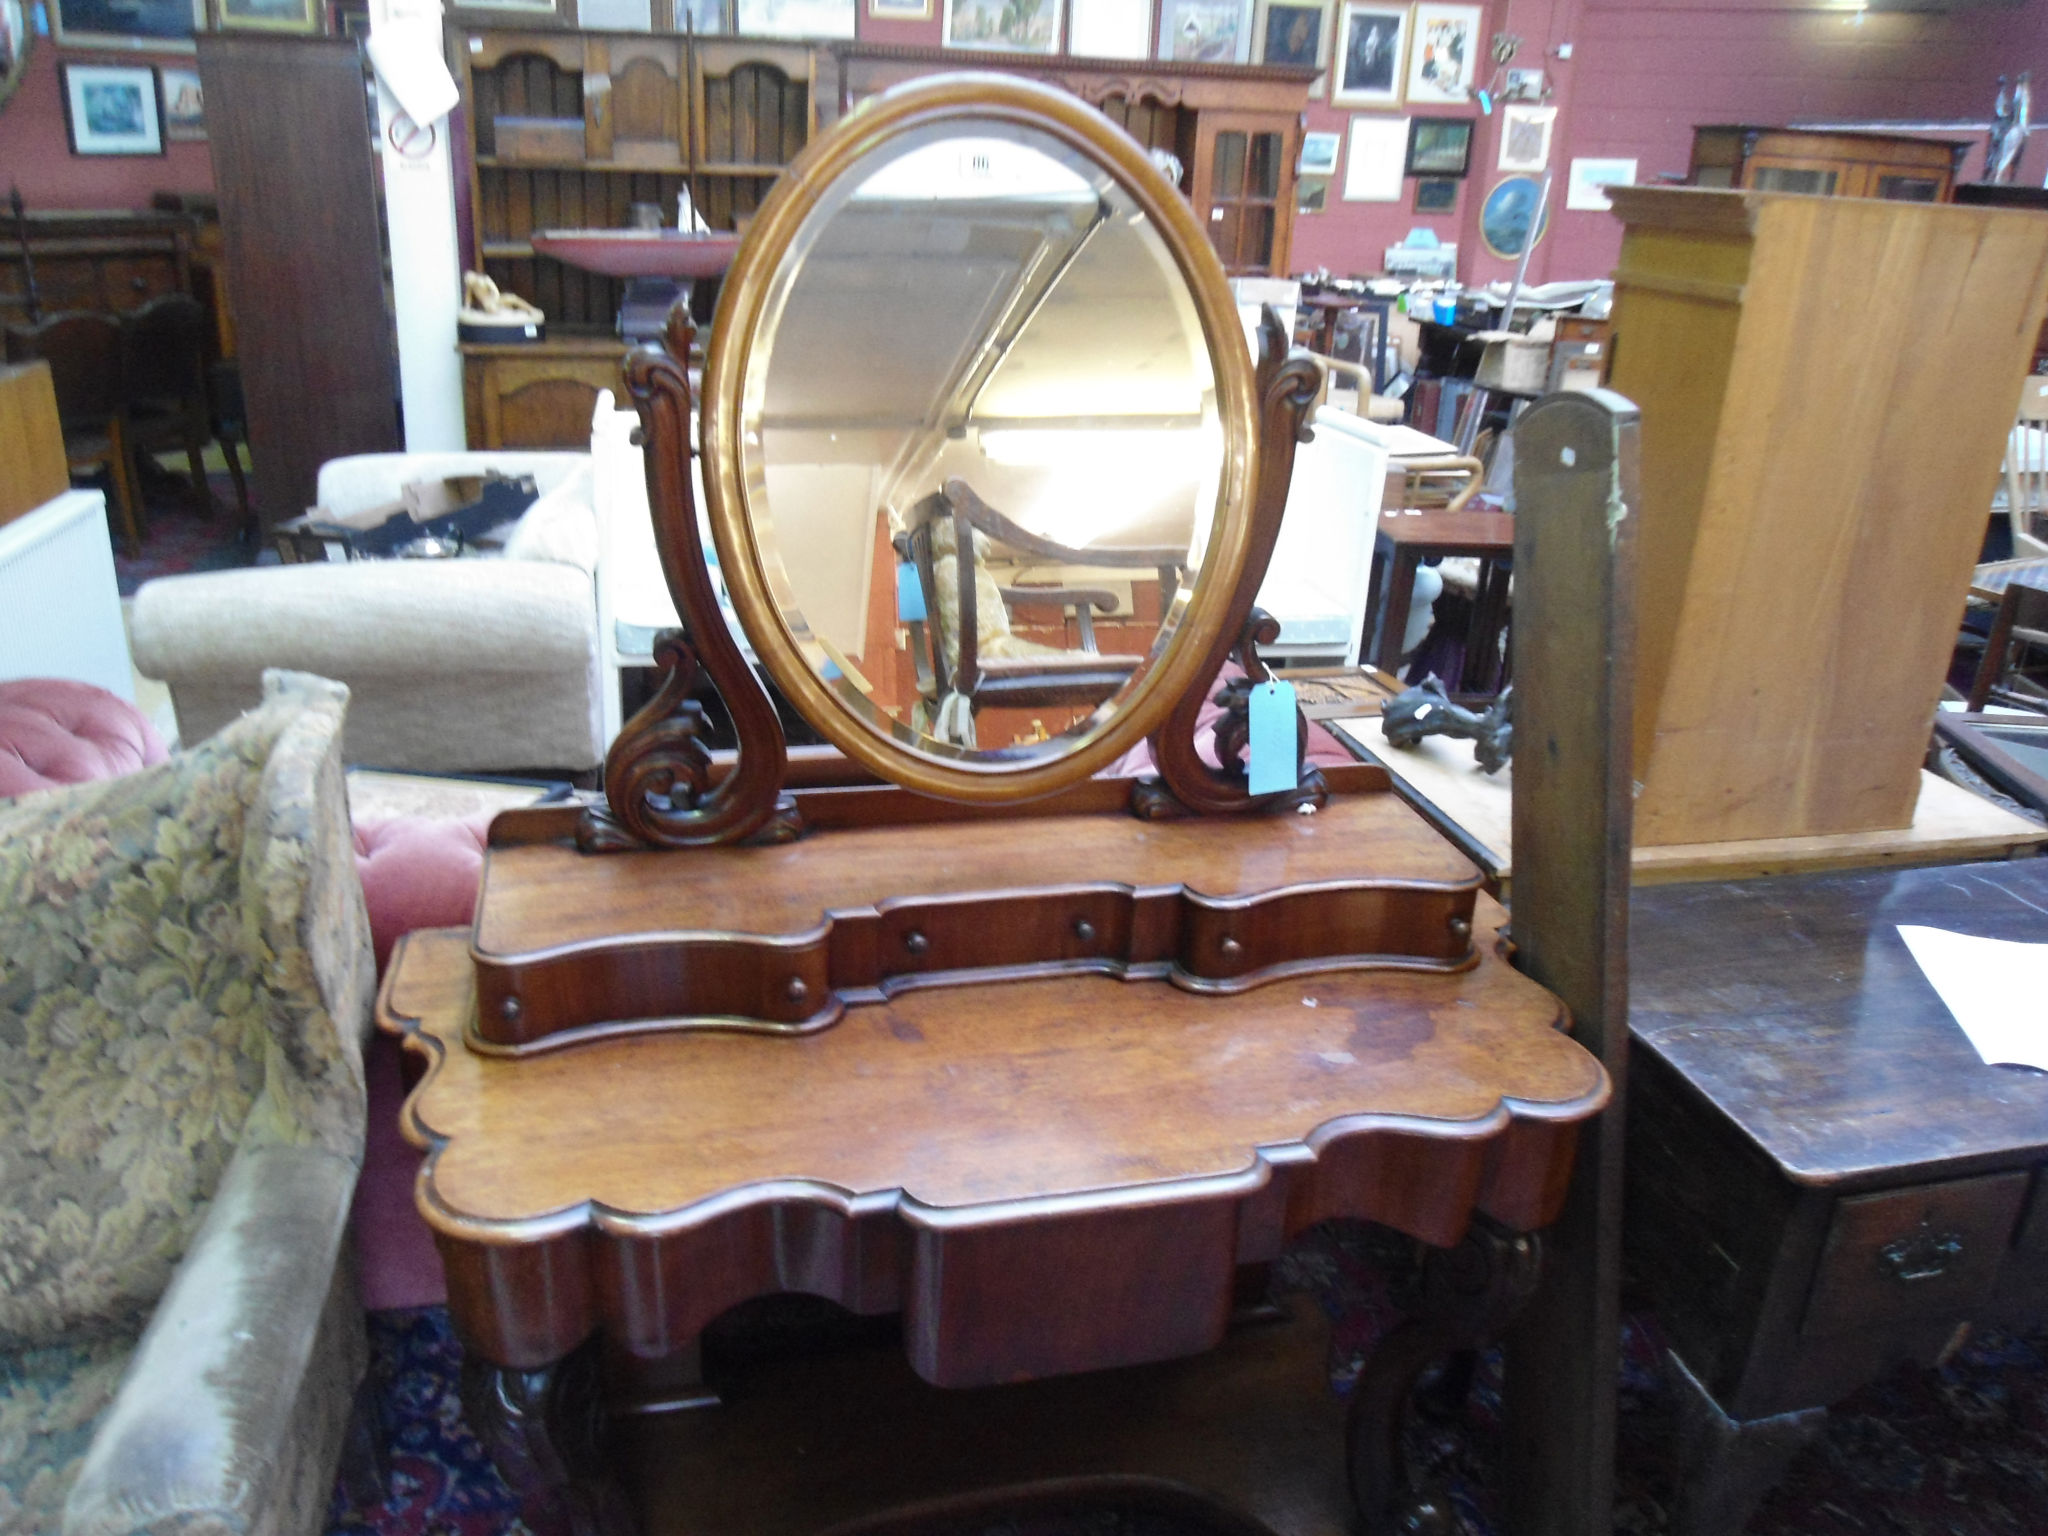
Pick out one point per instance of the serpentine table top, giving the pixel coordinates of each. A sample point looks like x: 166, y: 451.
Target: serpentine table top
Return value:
x: 1043, y: 1176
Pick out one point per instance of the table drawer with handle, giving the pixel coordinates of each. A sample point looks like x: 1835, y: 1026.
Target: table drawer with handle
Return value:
x: 1928, y: 1250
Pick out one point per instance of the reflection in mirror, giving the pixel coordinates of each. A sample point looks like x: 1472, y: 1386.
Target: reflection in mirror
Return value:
x: 980, y: 442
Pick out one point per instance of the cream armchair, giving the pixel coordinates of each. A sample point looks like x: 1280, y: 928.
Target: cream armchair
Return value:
x: 467, y: 664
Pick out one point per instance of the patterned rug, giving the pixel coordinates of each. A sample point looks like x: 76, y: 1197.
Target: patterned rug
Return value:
x: 1962, y: 1451
x: 179, y: 537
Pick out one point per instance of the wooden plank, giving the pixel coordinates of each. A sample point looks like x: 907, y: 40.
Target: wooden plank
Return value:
x: 1574, y: 657
x: 1440, y: 778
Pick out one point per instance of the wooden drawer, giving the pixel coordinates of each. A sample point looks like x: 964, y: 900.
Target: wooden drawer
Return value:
x: 1919, y: 1252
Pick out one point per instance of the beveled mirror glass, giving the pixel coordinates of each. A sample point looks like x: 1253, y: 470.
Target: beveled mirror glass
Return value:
x: 978, y: 433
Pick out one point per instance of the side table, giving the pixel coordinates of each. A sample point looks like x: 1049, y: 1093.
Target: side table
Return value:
x: 1824, y: 1179
x: 1405, y: 540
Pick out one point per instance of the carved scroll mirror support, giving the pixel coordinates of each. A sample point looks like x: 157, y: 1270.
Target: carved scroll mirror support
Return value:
x: 658, y: 785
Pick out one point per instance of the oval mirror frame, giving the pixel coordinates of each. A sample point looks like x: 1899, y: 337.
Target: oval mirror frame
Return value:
x: 842, y: 151
x: 19, y: 42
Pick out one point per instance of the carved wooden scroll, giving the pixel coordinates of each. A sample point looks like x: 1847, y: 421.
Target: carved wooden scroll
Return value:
x: 657, y: 785
x: 1288, y: 384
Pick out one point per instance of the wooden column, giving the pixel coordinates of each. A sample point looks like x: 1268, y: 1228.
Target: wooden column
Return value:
x: 289, y: 127
x: 1574, y: 657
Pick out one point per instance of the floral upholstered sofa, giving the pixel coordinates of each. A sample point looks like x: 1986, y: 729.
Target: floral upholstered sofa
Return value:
x: 185, y: 980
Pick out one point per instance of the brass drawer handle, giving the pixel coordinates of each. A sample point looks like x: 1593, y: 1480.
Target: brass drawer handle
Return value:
x: 1922, y: 1256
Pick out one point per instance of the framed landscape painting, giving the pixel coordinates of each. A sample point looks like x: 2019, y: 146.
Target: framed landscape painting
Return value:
x: 158, y: 25
x: 268, y: 15
x: 1439, y: 146
x: 1206, y: 31
x: 112, y: 109
x: 1372, y: 43
x: 1004, y: 26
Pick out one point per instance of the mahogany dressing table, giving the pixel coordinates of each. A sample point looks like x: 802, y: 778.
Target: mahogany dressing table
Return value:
x: 1039, y: 1060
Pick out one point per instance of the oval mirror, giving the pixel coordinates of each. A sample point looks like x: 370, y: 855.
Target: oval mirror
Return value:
x: 978, y: 423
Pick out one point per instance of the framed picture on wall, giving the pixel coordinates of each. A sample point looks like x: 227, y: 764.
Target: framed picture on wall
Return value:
x: 900, y: 10
x: 794, y: 18
x: 1525, y: 137
x: 112, y: 109
x: 1319, y: 154
x: 1511, y: 211
x: 267, y: 15
x: 1110, y: 29
x: 1585, y: 188
x: 1436, y: 194
x: 1206, y: 31
x: 1439, y: 146
x: 158, y: 25
x: 1007, y: 26
x: 1372, y: 42
x: 1291, y: 33
x: 184, y: 103
x: 1443, y: 59
x: 1379, y: 149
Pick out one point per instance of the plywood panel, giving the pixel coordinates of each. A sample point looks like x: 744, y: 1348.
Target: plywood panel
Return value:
x: 1801, y: 598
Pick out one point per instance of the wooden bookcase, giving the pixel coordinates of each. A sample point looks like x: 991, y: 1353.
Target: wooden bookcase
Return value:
x: 568, y: 129
x: 1825, y: 164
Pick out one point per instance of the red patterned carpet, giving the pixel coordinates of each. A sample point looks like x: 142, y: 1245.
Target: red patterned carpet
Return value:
x: 1958, y: 1452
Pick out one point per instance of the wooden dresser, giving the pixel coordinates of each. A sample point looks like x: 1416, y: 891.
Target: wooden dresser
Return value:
x: 1825, y: 164
x: 1824, y: 1178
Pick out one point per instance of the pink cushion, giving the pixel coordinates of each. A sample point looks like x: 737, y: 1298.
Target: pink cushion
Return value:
x: 419, y: 873
x: 54, y: 731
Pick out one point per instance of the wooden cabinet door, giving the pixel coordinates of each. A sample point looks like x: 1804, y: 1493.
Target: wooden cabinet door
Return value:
x: 1244, y: 188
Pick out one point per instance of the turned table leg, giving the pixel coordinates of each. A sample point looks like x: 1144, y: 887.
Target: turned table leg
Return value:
x: 1726, y: 1466
x: 544, y: 1429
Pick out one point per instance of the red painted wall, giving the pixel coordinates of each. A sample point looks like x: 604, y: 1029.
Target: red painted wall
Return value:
x: 35, y: 154
x: 1643, y: 73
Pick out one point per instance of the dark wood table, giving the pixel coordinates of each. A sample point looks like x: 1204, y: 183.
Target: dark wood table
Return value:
x: 1825, y: 1180
x: 1405, y: 540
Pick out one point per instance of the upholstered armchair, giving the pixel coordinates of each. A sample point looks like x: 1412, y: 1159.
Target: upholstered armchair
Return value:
x: 475, y: 664
x: 185, y: 980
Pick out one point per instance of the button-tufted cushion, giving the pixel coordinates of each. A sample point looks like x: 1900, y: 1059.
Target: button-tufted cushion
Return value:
x: 419, y: 873
x: 54, y: 731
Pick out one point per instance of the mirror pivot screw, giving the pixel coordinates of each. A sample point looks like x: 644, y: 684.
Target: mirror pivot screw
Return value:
x: 916, y: 942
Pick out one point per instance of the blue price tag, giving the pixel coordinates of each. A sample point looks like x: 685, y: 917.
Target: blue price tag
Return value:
x: 909, y: 595
x: 1269, y: 756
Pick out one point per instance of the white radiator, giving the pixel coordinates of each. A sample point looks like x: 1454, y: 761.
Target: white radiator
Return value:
x: 60, y: 612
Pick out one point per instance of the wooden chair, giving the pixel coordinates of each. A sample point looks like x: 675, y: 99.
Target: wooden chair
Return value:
x: 2026, y: 471
x: 84, y: 354
x: 2021, y: 624
x: 163, y: 383
x: 1371, y: 406
x: 951, y: 647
